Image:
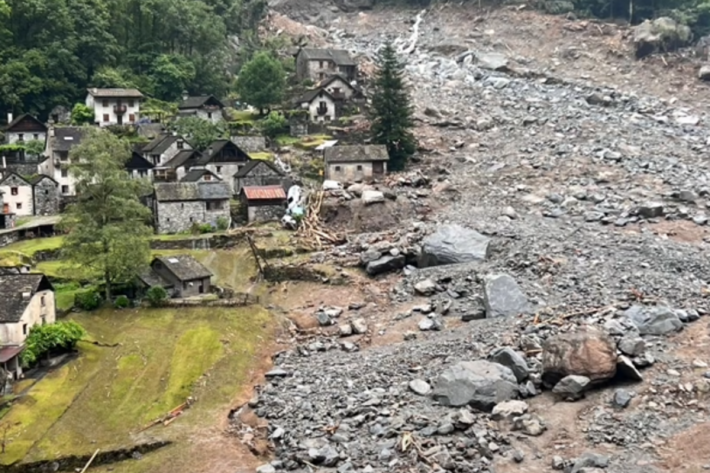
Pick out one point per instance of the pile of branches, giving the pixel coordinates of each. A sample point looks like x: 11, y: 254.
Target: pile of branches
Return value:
x: 311, y: 230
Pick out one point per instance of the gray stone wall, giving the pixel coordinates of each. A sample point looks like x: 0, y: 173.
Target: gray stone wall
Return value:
x: 46, y: 197
x: 261, y: 175
x: 348, y: 172
x: 178, y: 217
x: 211, y: 216
x: 266, y: 213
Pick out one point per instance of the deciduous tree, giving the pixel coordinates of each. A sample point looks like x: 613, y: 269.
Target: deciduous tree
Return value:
x: 107, y: 226
x: 392, y: 111
x: 262, y: 82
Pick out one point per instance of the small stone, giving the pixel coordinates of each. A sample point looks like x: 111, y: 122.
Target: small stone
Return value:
x: 419, y: 386
x: 509, y: 409
x: 673, y: 373
x: 277, y: 372
x: 323, y: 319
x: 345, y: 330
x: 529, y: 425
x: 466, y: 417
x: 518, y: 456
x: 558, y: 463
x: 515, y: 361
x: 266, y: 469
x: 445, y: 429
x: 359, y: 326
x: 621, y: 398
x: 571, y: 387
x: 700, y: 219
x: 632, y: 345
x: 699, y: 364
x: 590, y: 460
x: 626, y: 368
x: 425, y: 288
x: 651, y: 210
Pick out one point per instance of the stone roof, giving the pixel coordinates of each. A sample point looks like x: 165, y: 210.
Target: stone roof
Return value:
x: 150, y: 278
x: 184, y: 267
x: 65, y: 138
x: 191, y: 191
x: 338, y: 56
x: 13, y: 174
x: 356, y: 154
x: 248, y: 167
x: 309, y: 95
x: 195, y: 174
x: 22, y: 117
x: 160, y: 143
x: 34, y: 180
x: 200, y: 101
x: 115, y: 93
x: 185, y: 157
x: 12, y: 287
x: 138, y: 162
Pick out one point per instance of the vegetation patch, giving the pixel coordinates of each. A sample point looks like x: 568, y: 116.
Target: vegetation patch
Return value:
x: 157, y: 358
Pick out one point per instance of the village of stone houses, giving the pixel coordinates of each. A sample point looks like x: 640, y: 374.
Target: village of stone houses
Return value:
x: 351, y: 236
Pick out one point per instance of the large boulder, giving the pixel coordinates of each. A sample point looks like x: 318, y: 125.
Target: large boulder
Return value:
x: 385, y: 264
x: 587, y: 353
x: 660, y: 35
x: 704, y: 73
x: 503, y: 297
x: 480, y: 384
x: 453, y: 244
x: 653, y: 320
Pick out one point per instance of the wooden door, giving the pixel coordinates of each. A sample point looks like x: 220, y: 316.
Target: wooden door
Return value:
x: 378, y: 167
x: 6, y: 208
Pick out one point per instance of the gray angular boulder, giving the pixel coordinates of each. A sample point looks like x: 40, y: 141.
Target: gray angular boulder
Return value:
x: 480, y: 384
x: 453, y: 244
x: 503, y: 297
x: 660, y: 35
x: 510, y: 358
x: 385, y: 264
x: 653, y: 320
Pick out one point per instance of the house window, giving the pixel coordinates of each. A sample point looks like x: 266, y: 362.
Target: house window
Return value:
x: 105, y: 103
x: 209, y: 115
x: 46, y: 192
x: 42, y: 301
x: 35, y: 136
x: 214, y: 205
x: 192, y: 219
x: 65, y: 173
x: 64, y: 156
x: 19, y: 206
x: 131, y: 118
x: 24, y: 329
x: 359, y: 167
x: 207, y: 177
x: 20, y: 137
x: 13, y: 190
x: 337, y: 168
x: 219, y: 169
x: 180, y: 144
x: 130, y: 104
x: 65, y: 189
x: 327, y: 118
x: 336, y: 90
x: 105, y: 117
x: 321, y: 76
x: 182, y: 206
x: 320, y: 64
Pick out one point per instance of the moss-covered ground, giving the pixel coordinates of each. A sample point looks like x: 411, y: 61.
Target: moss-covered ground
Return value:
x: 104, y: 397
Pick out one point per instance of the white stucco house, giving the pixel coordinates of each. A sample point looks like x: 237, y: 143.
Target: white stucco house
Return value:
x: 114, y: 106
x: 59, y: 143
x: 24, y: 128
x: 18, y: 197
x: 319, y: 103
x: 26, y: 300
x: 206, y: 107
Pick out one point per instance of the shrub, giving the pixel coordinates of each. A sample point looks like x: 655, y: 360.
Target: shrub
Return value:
x: 222, y: 224
x: 273, y: 125
x: 42, y: 339
x: 89, y: 299
x: 198, y: 228
x: 121, y: 302
x: 156, y: 295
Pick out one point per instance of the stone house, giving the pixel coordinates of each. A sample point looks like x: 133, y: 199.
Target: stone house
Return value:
x: 179, y: 205
x: 354, y: 163
x: 257, y: 173
x: 26, y: 300
x: 24, y: 128
x: 59, y: 143
x: 177, y: 167
x: 164, y: 147
x: 18, y: 195
x: 45, y: 195
x: 340, y: 88
x: 206, y: 107
x: 263, y: 203
x: 181, y: 276
x: 200, y: 174
x: 114, y: 106
x: 138, y: 166
x: 224, y: 158
x: 319, y: 104
x: 319, y: 64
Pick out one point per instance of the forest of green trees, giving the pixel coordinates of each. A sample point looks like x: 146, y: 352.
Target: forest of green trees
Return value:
x: 51, y: 50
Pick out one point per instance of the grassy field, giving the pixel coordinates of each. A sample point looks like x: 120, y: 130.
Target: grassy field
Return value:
x: 103, y: 398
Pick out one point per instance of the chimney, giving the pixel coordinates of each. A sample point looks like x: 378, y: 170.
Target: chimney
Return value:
x: 26, y: 296
x: 51, y: 130
x: 184, y: 95
x: 9, y: 117
x: 4, y: 163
